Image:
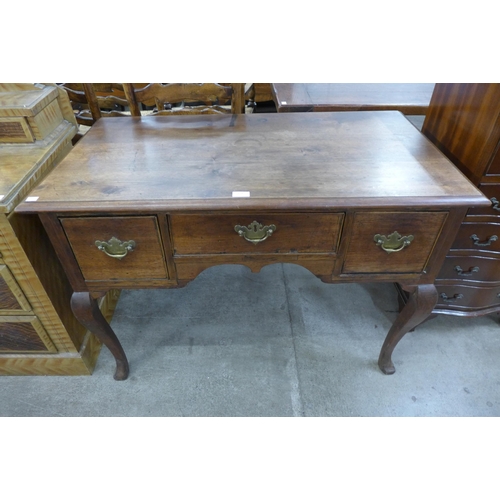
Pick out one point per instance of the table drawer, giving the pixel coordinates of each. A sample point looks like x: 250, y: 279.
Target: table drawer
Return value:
x: 470, y: 297
x: 478, y: 236
x: 115, y: 248
x: 12, y: 298
x: 366, y: 255
x: 289, y: 233
x: 472, y: 268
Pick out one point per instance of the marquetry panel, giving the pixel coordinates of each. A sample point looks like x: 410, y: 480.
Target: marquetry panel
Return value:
x: 11, y: 296
x: 15, y: 129
x: 23, y: 334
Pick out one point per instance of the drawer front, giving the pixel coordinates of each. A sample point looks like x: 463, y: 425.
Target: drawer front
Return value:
x: 364, y: 255
x: 12, y: 298
x: 116, y: 247
x: 290, y: 233
x: 23, y: 334
x: 479, y: 236
x: 491, y: 191
x: 458, y: 297
x: 470, y: 268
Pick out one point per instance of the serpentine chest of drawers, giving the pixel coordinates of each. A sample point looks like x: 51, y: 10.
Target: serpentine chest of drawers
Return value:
x: 153, y: 201
x: 464, y: 123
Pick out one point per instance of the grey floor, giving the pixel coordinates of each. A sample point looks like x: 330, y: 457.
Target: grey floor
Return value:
x: 275, y: 343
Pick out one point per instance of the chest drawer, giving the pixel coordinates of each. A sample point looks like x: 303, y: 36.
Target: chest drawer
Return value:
x: 470, y: 268
x: 116, y: 247
x: 471, y: 297
x: 478, y: 236
x: 260, y: 234
x: 407, y: 251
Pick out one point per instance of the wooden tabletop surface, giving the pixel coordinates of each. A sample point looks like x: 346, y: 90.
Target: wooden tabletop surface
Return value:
x: 409, y: 98
x: 289, y: 161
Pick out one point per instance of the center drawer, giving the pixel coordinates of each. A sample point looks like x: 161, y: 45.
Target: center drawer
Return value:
x: 260, y: 233
x: 114, y: 248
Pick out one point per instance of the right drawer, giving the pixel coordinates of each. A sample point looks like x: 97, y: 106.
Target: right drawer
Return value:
x: 365, y: 255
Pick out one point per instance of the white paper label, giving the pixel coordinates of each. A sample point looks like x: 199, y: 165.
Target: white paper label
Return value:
x: 241, y: 194
x: 283, y: 102
x: 2, y: 196
x: 32, y: 198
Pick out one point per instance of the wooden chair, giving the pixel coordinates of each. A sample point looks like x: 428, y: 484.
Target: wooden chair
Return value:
x: 92, y: 101
x: 187, y: 98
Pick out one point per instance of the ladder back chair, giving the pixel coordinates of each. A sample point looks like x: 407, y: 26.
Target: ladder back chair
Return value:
x: 187, y: 98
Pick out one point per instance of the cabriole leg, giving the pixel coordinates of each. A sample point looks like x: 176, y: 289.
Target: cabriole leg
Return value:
x: 420, y: 304
x: 87, y: 312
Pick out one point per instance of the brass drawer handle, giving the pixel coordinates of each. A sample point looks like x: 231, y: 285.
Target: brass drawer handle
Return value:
x: 495, y: 204
x: 255, y: 232
x: 455, y: 297
x: 487, y: 243
x: 115, y: 248
x: 461, y: 272
x: 394, y: 242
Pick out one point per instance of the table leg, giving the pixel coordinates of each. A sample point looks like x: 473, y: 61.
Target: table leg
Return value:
x: 87, y: 312
x: 420, y: 304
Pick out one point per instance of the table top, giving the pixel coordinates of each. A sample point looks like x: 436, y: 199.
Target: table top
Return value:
x: 409, y: 98
x: 291, y: 161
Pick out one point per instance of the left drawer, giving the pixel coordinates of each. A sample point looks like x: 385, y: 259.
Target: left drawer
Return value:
x: 117, y: 248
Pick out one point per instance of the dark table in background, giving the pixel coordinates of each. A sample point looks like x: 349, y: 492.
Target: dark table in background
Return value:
x: 409, y: 98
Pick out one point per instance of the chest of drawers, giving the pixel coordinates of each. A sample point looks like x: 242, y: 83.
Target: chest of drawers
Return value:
x: 352, y: 197
x: 464, y: 122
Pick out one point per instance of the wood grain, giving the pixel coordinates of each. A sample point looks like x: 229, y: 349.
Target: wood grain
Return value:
x: 464, y: 122
x: 283, y: 160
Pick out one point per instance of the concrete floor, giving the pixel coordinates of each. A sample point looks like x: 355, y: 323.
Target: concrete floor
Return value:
x: 276, y: 343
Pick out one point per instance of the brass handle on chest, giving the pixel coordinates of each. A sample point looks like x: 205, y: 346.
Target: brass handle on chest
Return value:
x: 255, y: 232
x: 457, y: 296
x: 115, y: 248
x: 495, y: 204
x: 394, y: 242
x: 487, y: 243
